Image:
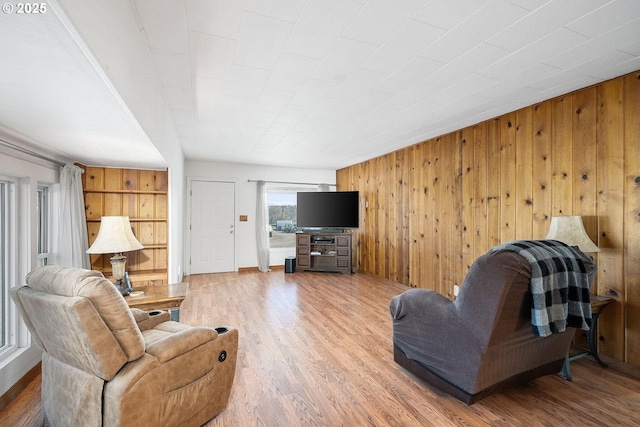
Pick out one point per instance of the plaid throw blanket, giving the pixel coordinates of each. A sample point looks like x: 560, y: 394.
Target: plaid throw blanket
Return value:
x: 559, y: 284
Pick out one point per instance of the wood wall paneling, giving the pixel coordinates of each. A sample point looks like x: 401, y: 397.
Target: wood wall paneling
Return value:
x: 141, y: 195
x: 436, y: 206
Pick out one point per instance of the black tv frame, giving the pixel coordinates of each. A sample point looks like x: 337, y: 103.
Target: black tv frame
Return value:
x: 328, y: 210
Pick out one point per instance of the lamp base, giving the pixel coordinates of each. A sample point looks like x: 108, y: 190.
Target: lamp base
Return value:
x: 121, y: 286
x: 117, y: 266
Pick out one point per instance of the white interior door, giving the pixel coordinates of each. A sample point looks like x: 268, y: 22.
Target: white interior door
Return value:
x: 212, y: 232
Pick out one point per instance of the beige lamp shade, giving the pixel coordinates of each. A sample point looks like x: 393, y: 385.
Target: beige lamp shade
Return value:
x: 570, y: 230
x: 114, y: 236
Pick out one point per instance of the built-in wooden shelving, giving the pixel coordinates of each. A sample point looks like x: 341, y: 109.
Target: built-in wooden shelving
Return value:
x: 142, y: 196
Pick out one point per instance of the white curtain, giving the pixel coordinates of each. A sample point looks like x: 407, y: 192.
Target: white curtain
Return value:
x: 323, y: 187
x: 262, y: 221
x: 71, y: 242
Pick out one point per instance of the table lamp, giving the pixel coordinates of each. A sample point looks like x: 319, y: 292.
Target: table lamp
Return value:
x: 115, y: 236
x: 570, y: 230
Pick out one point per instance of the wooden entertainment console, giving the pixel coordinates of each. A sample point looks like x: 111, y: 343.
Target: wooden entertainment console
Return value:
x: 323, y: 252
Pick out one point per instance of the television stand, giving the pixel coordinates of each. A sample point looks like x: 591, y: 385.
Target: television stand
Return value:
x: 330, y: 252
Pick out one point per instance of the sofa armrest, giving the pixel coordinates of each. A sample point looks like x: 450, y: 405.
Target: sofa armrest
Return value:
x: 181, y: 342
x: 149, y: 319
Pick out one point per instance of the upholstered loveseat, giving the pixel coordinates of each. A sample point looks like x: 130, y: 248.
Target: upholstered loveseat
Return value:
x: 483, y: 341
x: 106, y: 364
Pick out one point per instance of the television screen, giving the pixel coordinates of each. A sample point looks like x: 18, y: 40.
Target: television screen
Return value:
x: 327, y: 209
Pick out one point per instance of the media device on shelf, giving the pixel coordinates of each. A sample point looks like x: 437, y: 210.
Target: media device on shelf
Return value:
x: 328, y: 210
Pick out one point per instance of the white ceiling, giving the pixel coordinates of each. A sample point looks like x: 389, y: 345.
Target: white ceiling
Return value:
x: 309, y: 83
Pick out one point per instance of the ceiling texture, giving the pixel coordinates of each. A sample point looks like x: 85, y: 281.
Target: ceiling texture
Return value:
x: 308, y: 83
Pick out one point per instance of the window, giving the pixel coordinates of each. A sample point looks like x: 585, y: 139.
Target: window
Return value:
x: 43, y: 226
x: 6, y: 321
x: 283, y: 203
x: 282, y: 218
x: 27, y: 213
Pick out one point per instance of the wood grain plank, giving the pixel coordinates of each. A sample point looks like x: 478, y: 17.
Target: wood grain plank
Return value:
x: 481, y: 174
x: 561, y: 180
x: 456, y: 264
x: 370, y: 240
x: 403, y: 214
x: 436, y: 205
x: 130, y: 179
x: 523, y: 198
x: 493, y: 199
x: 146, y: 206
x: 131, y: 205
x: 447, y: 159
x: 507, y: 177
x: 93, y: 178
x: 113, y: 204
x: 610, y: 178
x: 113, y: 179
x: 632, y: 217
x: 147, y: 179
x: 542, y: 169
x: 414, y: 224
x: 428, y: 232
x: 161, y: 180
x: 584, y: 149
x: 382, y: 223
x: 93, y: 205
x: 467, y: 196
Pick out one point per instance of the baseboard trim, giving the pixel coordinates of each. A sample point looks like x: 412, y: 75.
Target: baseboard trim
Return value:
x: 625, y: 368
x: 255, y: 269
x: 19, y: 386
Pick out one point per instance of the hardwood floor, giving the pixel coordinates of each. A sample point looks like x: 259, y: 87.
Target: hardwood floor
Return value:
x: 316, y: 350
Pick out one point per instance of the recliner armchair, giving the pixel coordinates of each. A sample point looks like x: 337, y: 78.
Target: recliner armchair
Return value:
x: 107, y: 364
x: 483, y: 341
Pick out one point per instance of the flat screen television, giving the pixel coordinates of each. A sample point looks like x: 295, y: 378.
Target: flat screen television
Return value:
x: 328, y: 209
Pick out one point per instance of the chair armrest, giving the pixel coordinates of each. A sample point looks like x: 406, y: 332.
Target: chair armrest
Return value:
x: 149, y: 319
x: 427, y: 327
x: 424, y: 304
x: 181, y: 342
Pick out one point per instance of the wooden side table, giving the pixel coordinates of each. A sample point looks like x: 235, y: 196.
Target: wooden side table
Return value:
x: 598, y: 303
x: 160, y: 297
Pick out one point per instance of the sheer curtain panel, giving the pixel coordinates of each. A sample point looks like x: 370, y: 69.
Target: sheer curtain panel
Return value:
x: 262, y: 221
x: 71, y: 241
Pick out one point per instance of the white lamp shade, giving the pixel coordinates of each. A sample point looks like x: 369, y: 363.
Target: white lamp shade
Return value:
x: 570, y: 230
x: 114, y: 236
